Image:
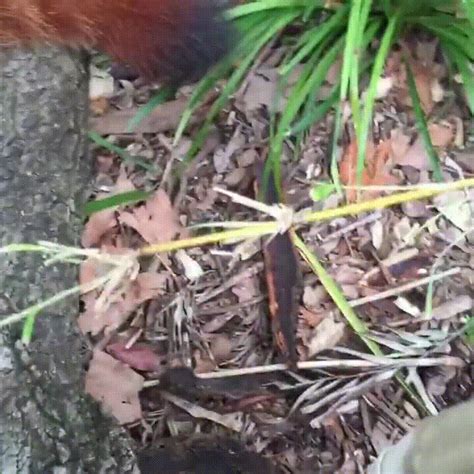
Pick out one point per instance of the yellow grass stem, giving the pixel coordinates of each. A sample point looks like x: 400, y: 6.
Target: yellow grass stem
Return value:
x: 388, y: 201
x: 266, y: 228
x: 214, y: 238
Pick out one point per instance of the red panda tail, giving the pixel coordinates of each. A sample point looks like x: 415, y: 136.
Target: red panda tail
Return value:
x: 169, y: 40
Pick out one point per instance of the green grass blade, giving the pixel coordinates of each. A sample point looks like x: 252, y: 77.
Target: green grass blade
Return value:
x: 357, y: 51
x: 271, y: 28
x: 377, y: 69
x: 29, y: 327
x: 358, y: 326
x: 302, y: 90
x: 337, y: 296
x: 468, y: 6
x: 315, y: 114
x: 464, y: 44
x: 163, y: 95
x: 370, y: 33
x: 465, y: 68
x: 119, y: 151
x: 314, y: 37
x: 422, y: 125
x: 264, y: 5
x: 122, y: 199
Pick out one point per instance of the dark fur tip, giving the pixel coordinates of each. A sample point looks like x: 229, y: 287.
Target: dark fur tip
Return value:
x: 172, y: 41
x: 201, y: 41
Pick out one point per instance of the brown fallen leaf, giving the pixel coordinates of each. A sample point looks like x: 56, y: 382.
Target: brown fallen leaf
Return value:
x: 88, y: 271
x: 221, y: 347
x: 115, y: 386
x: 139, y: 356
x: 314, y: 296
x: 163, y: 118
x: 399, y: 145
x: 423, y: 76
x: 415, y: 155
x: 326, y: 335
x: 426, y: 71
x: 156, y: 221
x: 376, y: 171
x: 222, y: 156
x: 442, y: 134
x: 97, y: 226
x: 311, y: 318
x: 100, y: 223
x: 146, y: 286
x: 263, y: 89
x: 99, y: 106
x: 453, y: 307
x: 247, y: 288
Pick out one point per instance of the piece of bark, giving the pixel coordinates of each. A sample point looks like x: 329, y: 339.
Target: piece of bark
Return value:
x: 282, y: 274
x: 163, y: 118
x: 47, y: 424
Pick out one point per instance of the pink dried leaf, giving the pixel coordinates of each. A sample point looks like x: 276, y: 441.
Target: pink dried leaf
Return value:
x: 115, y: 386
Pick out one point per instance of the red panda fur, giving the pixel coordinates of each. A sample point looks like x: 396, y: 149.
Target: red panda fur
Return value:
x: 170, y: 40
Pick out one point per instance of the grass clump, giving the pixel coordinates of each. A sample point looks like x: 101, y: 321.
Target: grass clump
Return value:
x: 326, y: 32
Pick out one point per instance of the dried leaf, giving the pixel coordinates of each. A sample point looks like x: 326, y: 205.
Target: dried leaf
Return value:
x: 261, y: 90
x: 192, y: 269
x: 146, y: 286
x: 115, y: 386
x: 97, y: 226
x: 376, y: 171
x: 88, y: 271
x: 399, y: 145
x: 453, y: 307
x: 222, y: 156
x: 156, y: 221
x: 101, y: 84
x: 327, y: 334
x: 247, y: 288
x: 377, y: 233
x: 231, y: 421
x: 139, y: 356
x: 416, y: 156
x: 311, y: 318
x: 423, y: 76
x: 442, y: 135
x: 384, y: 85
x: 456, y: 208
x: 102, y: 222
x: 221, y: 347
x: 313, y: 297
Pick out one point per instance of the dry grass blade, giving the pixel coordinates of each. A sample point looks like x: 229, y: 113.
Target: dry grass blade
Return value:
x: 340, y: 364
x: 344, y: 394
x: 231, y: 421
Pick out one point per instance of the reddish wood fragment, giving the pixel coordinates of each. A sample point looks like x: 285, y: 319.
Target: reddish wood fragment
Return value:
x: 283, y: 278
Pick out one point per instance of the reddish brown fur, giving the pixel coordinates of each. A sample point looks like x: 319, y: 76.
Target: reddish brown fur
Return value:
x: 166, y: 39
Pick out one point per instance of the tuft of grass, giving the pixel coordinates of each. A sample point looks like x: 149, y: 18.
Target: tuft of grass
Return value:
x: 327, y: 32
x: 344, y: 32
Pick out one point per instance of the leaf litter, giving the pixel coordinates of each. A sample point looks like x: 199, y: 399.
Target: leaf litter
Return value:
x: 187, y: 344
